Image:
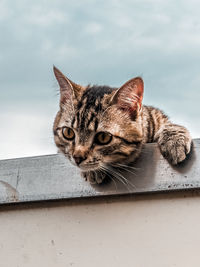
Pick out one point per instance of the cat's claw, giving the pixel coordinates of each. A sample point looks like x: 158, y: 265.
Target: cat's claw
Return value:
x: 93, y: 177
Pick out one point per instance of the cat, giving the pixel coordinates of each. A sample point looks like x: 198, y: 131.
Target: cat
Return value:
x: 99, y: 127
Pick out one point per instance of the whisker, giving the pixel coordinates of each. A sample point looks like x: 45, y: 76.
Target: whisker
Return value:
x: 119, y: 175
x: 127, y: 179
x: 125, y: 167
x: 106, y: 173
x: 115, y: 175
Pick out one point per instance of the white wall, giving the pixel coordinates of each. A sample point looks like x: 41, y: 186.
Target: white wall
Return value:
x: 153, y: 231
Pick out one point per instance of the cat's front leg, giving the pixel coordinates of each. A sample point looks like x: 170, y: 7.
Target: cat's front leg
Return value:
x: 174, y: 142
x: 93, y: 177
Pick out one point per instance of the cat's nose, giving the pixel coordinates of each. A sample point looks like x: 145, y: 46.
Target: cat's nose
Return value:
x: 79, y: 159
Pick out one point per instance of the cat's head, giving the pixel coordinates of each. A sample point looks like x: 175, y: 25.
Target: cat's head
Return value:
x: 99, y: 125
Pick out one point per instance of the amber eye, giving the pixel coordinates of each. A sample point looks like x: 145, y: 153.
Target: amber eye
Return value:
x: 103, y: 138
x: 68, y: 133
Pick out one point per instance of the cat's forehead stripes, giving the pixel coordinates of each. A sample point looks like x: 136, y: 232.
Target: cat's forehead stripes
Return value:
x: 89, y: 108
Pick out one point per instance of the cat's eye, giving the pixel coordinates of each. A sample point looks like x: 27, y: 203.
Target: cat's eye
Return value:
x: 68, y: 133
x: 103, y: 138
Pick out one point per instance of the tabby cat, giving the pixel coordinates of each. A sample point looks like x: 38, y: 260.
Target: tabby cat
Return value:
x: 99, y: 127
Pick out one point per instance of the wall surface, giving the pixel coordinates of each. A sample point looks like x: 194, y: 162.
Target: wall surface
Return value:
x: 155, y: 230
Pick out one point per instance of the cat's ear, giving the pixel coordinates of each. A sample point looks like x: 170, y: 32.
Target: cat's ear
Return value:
x: 129, y: 96
x: 68, y: 89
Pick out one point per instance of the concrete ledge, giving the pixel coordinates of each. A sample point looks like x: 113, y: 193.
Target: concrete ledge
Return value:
x: 52, y: 177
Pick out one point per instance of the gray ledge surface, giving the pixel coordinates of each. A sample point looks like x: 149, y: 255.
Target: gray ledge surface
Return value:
x: 52, y: 177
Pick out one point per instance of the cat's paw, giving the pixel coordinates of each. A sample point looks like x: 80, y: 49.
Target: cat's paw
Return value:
x: 175, y: 146
x: 93, y: 177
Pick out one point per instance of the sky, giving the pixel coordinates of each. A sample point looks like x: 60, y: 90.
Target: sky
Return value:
x: 96, y: 42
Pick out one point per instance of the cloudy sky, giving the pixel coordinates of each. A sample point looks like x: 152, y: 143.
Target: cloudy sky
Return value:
x: 101, y: 42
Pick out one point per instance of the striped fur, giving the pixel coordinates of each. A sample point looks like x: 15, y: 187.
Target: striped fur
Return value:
x: 93, y: 109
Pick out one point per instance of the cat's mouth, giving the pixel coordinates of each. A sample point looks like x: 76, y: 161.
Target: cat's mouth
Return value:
x: 89, y: 167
